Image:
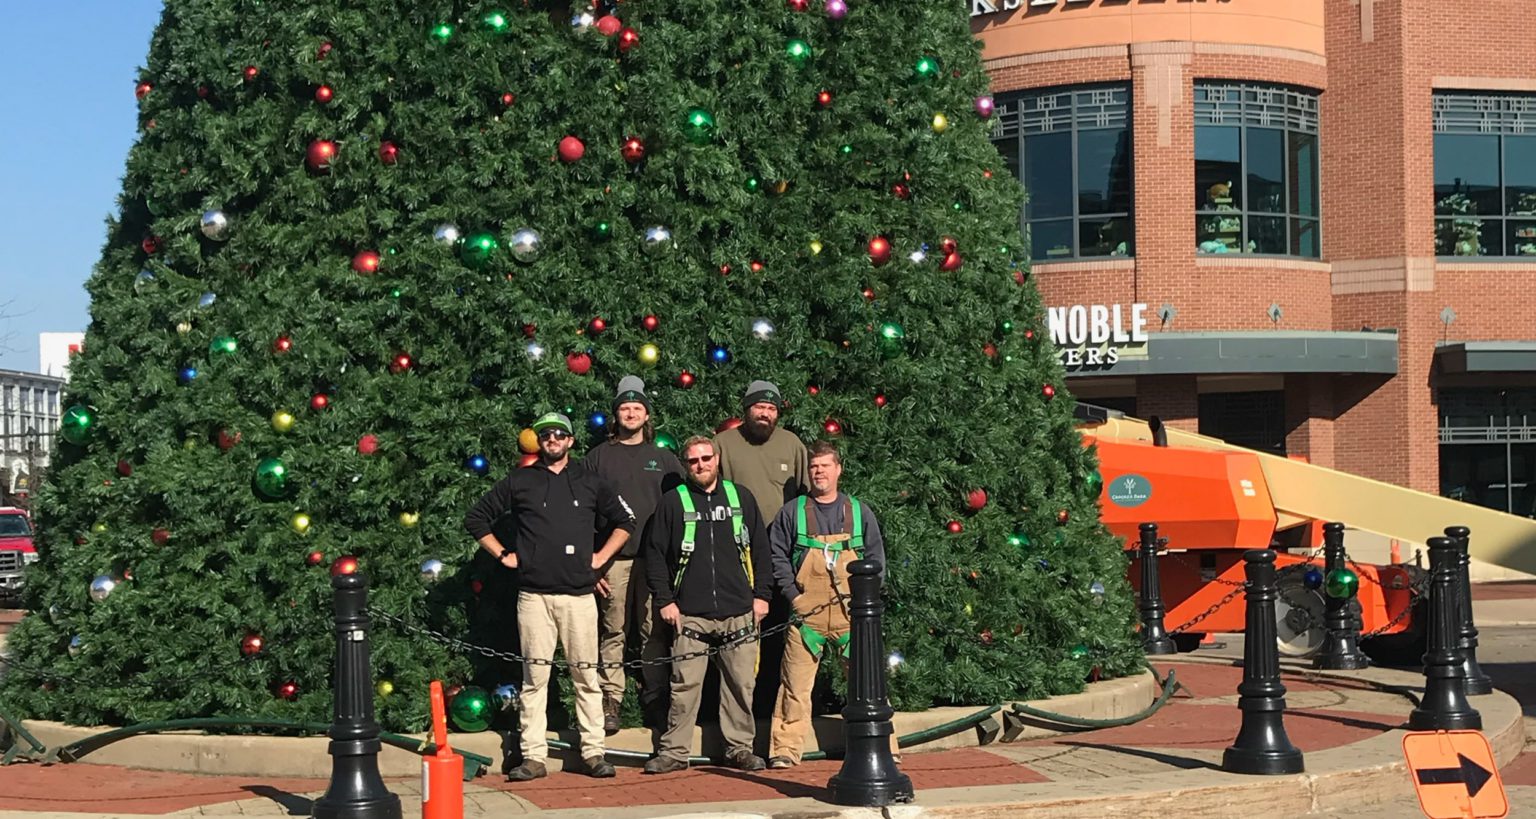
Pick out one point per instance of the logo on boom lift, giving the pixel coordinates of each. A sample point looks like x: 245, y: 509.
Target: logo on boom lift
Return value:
x: 1130, y: 490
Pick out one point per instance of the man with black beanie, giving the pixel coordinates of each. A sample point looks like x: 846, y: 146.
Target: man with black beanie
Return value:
x: 770, y: 461
x: 640, y: 471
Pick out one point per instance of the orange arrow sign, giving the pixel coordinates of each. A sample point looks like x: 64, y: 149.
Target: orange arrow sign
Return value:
x: 1455, y: 775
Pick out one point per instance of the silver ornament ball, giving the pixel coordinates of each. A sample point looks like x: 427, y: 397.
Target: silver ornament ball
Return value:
x: 534, y: 351
x: 656, y: 239
x: 1097, y: 590
x: 207, y: 299
x: 762, y: 329
x: 101, y: 587
x: 918, y: 256
x: 214, y: 225
x: 431, y: 570
x: 526, y: 245
x: 582, y: 22
x: 76, y: 645
x: 143, y: 280
x: 446, y: 234
x: 895, y: 660
x: 504, y: 697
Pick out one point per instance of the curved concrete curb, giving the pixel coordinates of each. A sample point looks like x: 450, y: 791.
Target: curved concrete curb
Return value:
x: 193, y: 752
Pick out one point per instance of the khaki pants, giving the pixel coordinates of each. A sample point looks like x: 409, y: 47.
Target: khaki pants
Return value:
x: 738, y: 677
x: 629, y: 601
x: 542, y: 620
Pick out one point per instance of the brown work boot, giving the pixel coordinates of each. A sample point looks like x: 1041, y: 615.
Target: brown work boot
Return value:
x: 610, y: 716
x: 665, y: 765
x: 527, y: 771
x: 779, y: 763
x: 744, y: 761
x: 599, y: 768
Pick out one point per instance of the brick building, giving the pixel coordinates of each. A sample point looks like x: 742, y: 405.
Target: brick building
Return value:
x: 1323, y: 210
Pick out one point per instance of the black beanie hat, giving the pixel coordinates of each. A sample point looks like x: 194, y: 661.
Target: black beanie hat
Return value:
x: 631, y: 388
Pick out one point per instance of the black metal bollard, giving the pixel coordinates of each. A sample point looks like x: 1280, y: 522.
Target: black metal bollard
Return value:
x: 1341, y: 646
x: 1444, y: 706
x: 1261, y: 746
x: 1477, y: 681
x: 869, y: 776
x: 356, y: 790
x: 1154, y: 636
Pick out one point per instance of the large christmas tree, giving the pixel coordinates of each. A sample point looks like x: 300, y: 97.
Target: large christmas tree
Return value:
x: 362, y: 244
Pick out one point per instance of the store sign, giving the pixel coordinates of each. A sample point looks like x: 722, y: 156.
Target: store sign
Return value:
x: 1096, y: 335
x: 982, y: 8
x: 1129, y: 491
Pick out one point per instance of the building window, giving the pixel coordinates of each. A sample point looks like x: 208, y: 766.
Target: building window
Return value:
x: 1256, y: 170
x: 1251, y: 419
x: 1488, y: 448
x: 1485, y: 175
x: 1071, y: 147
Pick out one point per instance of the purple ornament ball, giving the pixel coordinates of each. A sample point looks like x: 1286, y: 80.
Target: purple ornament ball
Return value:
x: 985, y: 106
x: 837, y: 9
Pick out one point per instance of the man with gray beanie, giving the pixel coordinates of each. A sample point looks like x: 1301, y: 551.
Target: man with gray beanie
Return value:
x: 770, y: 461
x: 640, y: 471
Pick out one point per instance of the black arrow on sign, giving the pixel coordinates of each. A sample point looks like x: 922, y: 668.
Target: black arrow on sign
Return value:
x: 1471, y: 774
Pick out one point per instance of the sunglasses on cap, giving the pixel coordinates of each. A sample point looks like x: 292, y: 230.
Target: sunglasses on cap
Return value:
x: 702, y: 459
x: 556, y: 434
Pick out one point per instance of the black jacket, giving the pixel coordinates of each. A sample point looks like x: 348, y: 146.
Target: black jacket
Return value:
x: 639, y: 473
x: 714, y: 585
x: 555, y: 519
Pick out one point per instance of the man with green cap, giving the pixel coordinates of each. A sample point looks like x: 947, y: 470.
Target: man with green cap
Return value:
x: 559, y: 510
x: 640, y: 471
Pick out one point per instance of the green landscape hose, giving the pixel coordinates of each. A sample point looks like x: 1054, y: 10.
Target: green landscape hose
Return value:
x: 1170, y: 685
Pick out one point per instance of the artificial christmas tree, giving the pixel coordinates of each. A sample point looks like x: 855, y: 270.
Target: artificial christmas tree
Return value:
x: 362, y: 244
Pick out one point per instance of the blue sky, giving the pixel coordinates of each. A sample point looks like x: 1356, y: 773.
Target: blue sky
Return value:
x: 67, y: 73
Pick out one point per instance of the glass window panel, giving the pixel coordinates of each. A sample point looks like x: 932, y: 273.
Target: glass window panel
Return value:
x: 1304, y: 169
x: 1048, y: 175
x: 1219, y: 233
x: 1306, y: 239
x: 1218, y: 167
x: 1468, y: 237
x: 1104, y: 237
x: 1266, y: 235
x: 1520, y: 175
x: 1522, y: 479
x: 1475, y: 474
x: 1522, y: 237
x: 1050, y: 240
x: 1466, y: 174
x: 1103, y: 171
x: 1009, y: 148
x: 1266, y: 170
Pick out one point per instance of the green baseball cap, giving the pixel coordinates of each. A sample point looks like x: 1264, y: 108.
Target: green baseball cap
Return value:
x: 553, y: 420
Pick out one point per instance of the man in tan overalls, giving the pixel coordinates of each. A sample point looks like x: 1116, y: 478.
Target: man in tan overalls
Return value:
x: 813, y: 539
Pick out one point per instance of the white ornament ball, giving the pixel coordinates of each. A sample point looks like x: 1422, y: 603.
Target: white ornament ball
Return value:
x: 505, y: 697
x: 526, y: 244
x: 431, y: 570
x: 101, y: 587
x: 215, y: 225
x: 582, y: 22
x: 657, y: 238
x: 534, y: 350
x: 762, y: 329
x: 446, y: 234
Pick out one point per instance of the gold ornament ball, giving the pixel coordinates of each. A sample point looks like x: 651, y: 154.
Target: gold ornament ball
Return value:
x: 940, y: 123
x: 649, y: 355
x: 189, y: 442
x: 385, y: 688
x: 967, y: 608
x: 184, y: 327
x: 299, y: 522
x: 98, y: 528
x: 528, y: 441
x: 283, y: 420
x: 409, y: 519
x: 815, y: 247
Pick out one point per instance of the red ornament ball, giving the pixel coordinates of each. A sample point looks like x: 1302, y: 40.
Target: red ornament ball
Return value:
x: 401, y: 363
x: 949, y: 245
x: 507, y: 99
x: 250, y: 73
x: 366, y: 262
x: 319, y: 401
x: 368, y: 444
x: 282, y: 345
x: 321, y: 153
x: 475, y: 587
x: 628, y: 39
x: 571, y: 149
x: 1062, y: 516
x: 757, y: 267
x: 990, y: 349
x: 901, y: 191
x: 288, y: 691
x: 598, y: 324
x: 578, y: 363
x: 151, y: 244
x: 124, y: 468
x: 832, y: 427
x: 879, y: 250
x: 251, y: 645
x: 529, y: 330
x: 608, y: 25
x: 314, y: 558
x: 976, y: 500
x: 868, y: 293
x: 986, y: 636
x: 142, y: 90
x: 725, y: 270
x: 955, y: 527
x: 633, y: 150
x: 346, y: 564
x: 389, y: 152
x: 987, y: 174
x: 323, y: 51
x: 1018, y: 277
x: 160, y: 537
x: 813, y: 389
x: 203, y: 92
x: 952, y: 262
x: 685, y: 379
x: 799, y: 5
x: 324, y: 94
x: 227, y: 439
x: 650, y: 323
x: 729, y: 423
x: 528, y: 460
x: 880, y: 400
x: 824, y: 98
x: 1048, y: 391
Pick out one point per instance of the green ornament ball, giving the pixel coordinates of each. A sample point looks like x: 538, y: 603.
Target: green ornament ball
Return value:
x: 1093, y: 482
x: 471, y: 709
x: 927, y: 68
x: 271, y: 479
x: 478, y: 249
x: 222, y: 346
x: 1341, y: 584
x: 1079, y: 652
x: 1018, y: 540
x: 78, y: 424
x: 892, y: 339
x: 699, y: 124
x: 602, y: 230
x: 666, y: 441
x: 799, y: 51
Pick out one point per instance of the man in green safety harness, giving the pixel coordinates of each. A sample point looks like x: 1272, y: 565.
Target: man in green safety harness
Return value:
x: 711, y: 578
x: 813, y: 539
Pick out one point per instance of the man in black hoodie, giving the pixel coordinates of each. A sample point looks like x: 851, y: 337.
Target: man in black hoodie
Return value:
x: 711, y: 577
x: 559, y: 508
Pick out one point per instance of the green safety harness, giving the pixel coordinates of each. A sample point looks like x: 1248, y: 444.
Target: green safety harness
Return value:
x: 691, y: 519
x: 815, y: 641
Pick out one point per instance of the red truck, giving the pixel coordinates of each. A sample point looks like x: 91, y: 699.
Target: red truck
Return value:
x: 16, y: 551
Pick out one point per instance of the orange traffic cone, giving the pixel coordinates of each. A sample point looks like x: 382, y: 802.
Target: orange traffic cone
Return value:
x: 442, y: 774
x: 1397, y: 552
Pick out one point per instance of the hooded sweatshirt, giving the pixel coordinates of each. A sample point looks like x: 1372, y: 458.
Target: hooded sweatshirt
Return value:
x: 714, y: 586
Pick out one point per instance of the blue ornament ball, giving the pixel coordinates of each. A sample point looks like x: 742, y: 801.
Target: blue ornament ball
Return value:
x: 1313, y: 579
x: 597, y: 421
x: 187, y: 375
x: 477, y: 464
x: 719, y: 355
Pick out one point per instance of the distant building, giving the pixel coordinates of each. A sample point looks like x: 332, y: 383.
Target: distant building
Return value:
x: 29, y: 419
x: 55, y: 350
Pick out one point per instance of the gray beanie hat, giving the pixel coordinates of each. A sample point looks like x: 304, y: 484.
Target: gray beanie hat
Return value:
x: 631, y: 388
x: 762, y: 392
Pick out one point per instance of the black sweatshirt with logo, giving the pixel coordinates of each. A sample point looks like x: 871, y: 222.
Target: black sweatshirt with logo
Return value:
x: 714, y: 585
x: 640, y: 473
x: 555, y: 518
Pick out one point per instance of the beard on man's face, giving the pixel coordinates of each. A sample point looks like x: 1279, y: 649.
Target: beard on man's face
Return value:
x: 757, y: 430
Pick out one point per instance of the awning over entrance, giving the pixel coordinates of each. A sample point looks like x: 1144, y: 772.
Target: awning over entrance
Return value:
x: 1241, y: 352
x: 1486, y: 357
